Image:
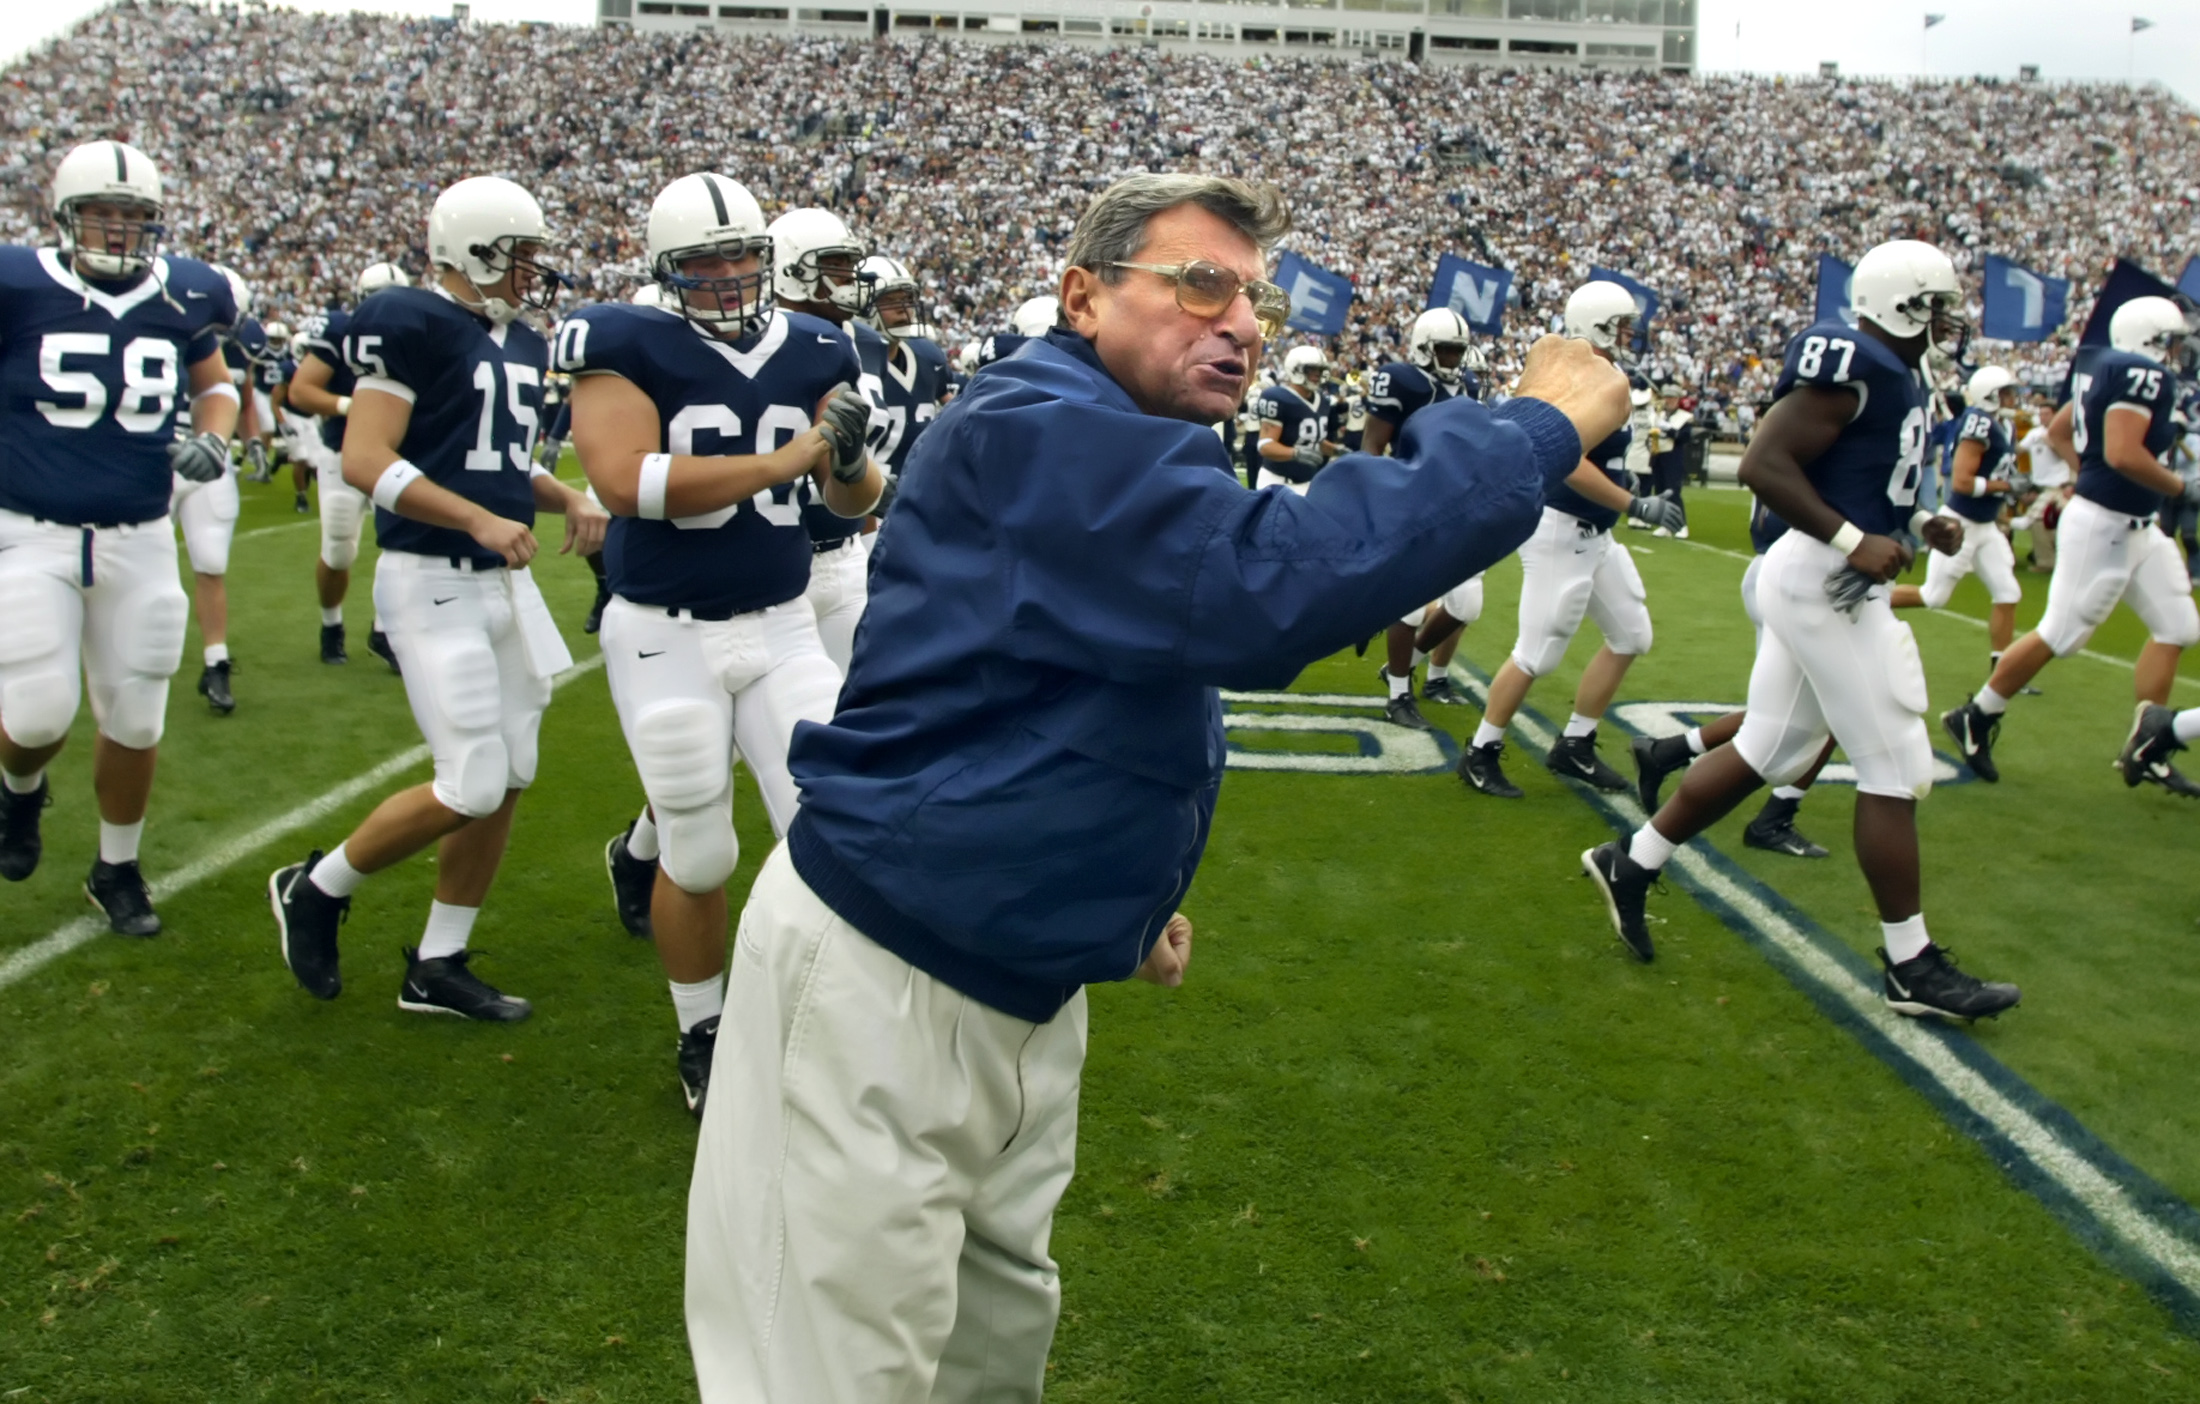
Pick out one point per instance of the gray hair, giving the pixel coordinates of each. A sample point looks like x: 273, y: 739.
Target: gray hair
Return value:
x: 1113, y: 227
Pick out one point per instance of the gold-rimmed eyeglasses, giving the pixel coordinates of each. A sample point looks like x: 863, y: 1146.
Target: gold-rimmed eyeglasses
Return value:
x: 1207, y: 289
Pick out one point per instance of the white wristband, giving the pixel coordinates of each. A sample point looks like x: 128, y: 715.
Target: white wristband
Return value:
x: 649, y: 490
x: 343, y: 405
x: 1978, y: 486
x: 1918, y: 519
x: 393, y: 482
x: 1847, y: 539
x: 222, y: 391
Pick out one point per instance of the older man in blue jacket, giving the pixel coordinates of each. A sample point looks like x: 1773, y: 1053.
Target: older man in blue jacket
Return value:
x: 1016, y: 791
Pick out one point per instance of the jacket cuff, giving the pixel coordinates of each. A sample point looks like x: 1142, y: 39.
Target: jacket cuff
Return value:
x: 1551, y: 436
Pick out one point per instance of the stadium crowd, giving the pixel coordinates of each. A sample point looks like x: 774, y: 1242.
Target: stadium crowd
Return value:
x: 303, y: 147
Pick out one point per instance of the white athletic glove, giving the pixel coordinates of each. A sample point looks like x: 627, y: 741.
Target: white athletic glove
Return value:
x: 845, y: 423
x: 2191, y: 496
x: 201, y: 458
x: 1663, y: 510
x: 255, y: 454
x: 1308, y: 454
x: 1848, y: 588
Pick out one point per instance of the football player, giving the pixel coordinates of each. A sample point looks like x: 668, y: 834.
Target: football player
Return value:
x: 1838, y: 458
x: 697, y: 423
x: 1573, y: 567
x: 1294, y: 425
x: 104, y: 342
x: 322, y: 386
x: 439, y: 431
x: 271, y: 371
x: 914, y: 383
x: 1438, y: 349
x: 1034, y: 317
x: 207, y: 512
x: 1981, y: 475
x: 2113, y: 432
x: 817, y: 272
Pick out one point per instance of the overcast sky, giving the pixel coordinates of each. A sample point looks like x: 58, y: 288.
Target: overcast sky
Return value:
x: 2066, y: 38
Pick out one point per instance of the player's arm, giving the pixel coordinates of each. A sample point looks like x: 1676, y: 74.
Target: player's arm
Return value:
x: 847, y: 492
x: 1590, y: 481
x: 215, y: 404
x: 374, y: 464
x: 1796, y: 431
x: 616, y: 431
x: 2124, y: 448
x: 1963, y: 476
x: 2062, y: 434
x: 1271, y: 446
x: 309, y: 389
x: 1376, y: 437
x: 585, y: 522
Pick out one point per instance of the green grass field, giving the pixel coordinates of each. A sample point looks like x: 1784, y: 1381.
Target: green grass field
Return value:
x: 1415, y: 1129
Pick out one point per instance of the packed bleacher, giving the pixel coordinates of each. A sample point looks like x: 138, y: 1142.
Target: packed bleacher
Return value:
x: 302, y: 147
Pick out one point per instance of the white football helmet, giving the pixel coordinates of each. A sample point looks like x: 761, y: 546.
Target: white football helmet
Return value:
x: 1303, y: 365
x: 483, y: 227
x: 894, y: 289
x: 1983, y: 389
x: 802, y: 241
x: 1602, y: 314
x: 966, y: 360
x: 278, y: 334
x: 108, y: 172
x: 1434, y: 330
x: 1037, y: 316
x: 1907, y: 288
x: 239, y: 290
x: 2147, y: 326
x: 377, y: 276
x: 706, y: 215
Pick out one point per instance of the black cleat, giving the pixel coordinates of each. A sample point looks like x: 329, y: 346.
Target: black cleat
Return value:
x: 2153, y: 740
x: 1931, y: 984
x: 444, y: 985
x: 594, y: 621
x: 214, y: 687
x: 1626, y: 887
x: 1974, y: 733
x: 1654, y: 760
x: 1773, y: 830
x: 696, y: 1047
x: 632, y: 880
x: 332, y: 643
x: 378, y: 644
x: 301, y: 506
x: 306, y: 919
x: 20, y: 843
x: 1576, y: 758
x: 1402, y: 710
x: 1440, y: 688
x: 1478, y: 766
x: 118, y: 889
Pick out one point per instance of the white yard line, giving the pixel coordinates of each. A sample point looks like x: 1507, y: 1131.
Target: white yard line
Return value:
x: 20, y: 964
x: 286, y: 526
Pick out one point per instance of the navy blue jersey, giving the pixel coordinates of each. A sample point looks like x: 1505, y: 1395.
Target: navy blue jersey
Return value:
x: 1300, y: 422
x: 1998, y: 460
x: 999, y: 347
x: 1610, y: 457
x: 825, y: 526
x: 2104, y: 381
x: 1398, y: 389
x: 1870, y: 474
x: 323, y: 337
x: 713, y: 398
x: 909, y: 387
x: 1765, y: 526
x: 269, y: 371
x: 94, y: 381
x: 476, y: 393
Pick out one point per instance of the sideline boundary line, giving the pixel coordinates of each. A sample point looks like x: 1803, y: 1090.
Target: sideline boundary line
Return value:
x: 21, y: 964
x: 2116, y: 1209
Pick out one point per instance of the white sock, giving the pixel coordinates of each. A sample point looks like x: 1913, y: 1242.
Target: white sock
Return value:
x: 1649, y: 848
x: 1990, y: 702
x: 692, y: 1004
x: 332, y: 614
x: 118, y: 843
x: 2186, y: 728
x: 1787, y: 792
x: 1579, y: 725
x: 1419, y: 658
x: 335, y: 875
x: 448, y: 928
x: 1695, y: 740
x: 1905, y: 940
x: 1485, y: 734
x: 217, y: 653
x: 1399, y: 686
x: 641, y: 840
x: 23, y: 784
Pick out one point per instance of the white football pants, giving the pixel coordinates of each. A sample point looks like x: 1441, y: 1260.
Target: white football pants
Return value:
x: 839, y: 589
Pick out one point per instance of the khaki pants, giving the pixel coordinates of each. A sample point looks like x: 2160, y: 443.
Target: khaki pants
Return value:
x: 877, y: 1174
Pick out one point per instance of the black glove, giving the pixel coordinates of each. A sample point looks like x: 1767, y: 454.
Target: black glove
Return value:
x: 201, y: 458
x: 1663, y: 510
x: 845, y: 424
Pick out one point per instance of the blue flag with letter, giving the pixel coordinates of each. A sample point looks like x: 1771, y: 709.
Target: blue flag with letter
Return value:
x: 2125, y: 281
x: 2022, y: 305
x: 1318, y: 297
x: 2188, y: 282
x: 1475, y: 292
x: 1646, y: 302
x: 1833, y: 291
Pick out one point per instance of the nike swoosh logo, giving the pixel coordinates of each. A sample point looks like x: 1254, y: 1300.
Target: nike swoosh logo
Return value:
x: 446, y: 601
x: 189, y: 293
x: 830, y: 340
x: 658, y: 654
